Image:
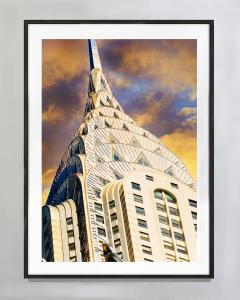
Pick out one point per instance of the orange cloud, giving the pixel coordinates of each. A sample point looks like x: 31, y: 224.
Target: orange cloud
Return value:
x: 48, y: 175
x: 186, y: 111
x: 184, y: 145
x: 191, y: 122
x: 175, y: 68
x: 53, y: 114
x: 47, y: 179
x: 62, y: 59
x: 149, y: 115
x: 45, y: 194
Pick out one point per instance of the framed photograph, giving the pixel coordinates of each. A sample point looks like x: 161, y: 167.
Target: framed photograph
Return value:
x: 118, y: 148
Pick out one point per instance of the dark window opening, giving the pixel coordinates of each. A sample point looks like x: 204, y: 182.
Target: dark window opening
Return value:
x: 136, y: 186
x: 69, y: 221
x: 174, y: 185
x: 101, y: 231
x: 150, y: 178
x: 142, y: 223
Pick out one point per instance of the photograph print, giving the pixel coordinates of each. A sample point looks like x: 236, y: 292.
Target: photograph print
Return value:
x: 122, y: 157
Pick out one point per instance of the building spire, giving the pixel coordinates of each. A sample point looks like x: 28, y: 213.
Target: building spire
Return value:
x: 95, y: 62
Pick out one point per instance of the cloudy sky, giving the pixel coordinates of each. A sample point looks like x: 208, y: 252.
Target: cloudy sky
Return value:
x: 154, y: 80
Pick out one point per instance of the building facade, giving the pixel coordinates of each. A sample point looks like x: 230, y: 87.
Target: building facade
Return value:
x: 60, y: 232
x: 129, y: 192
x: 149, y: 218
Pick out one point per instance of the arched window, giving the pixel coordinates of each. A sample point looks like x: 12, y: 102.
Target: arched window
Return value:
x: 158, y: 194
x: 162, y: 194
x: 169, y: 197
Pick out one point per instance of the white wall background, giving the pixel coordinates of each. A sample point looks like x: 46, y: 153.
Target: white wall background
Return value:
x: 227, y: 148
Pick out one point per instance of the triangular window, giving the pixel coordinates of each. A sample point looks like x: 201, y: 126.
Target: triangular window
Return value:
x: 118, y: 107
x: 109, y: 101
x: 103, y: 180
x: 117, y: 175
x: 103, y: 83
x: 141, y: 160
x: 107, y: 124
x: 115, y: 116
x: 125, y: 127
x: 116, y: 156
x: 112, y: 139
x: 169, y: 171
x: 99, y: 159
x: 158, y: 151
x: 95, y: 127
x: 134, y: 142
x: 97, y: 143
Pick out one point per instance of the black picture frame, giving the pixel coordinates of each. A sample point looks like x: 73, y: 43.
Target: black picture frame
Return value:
x: 210, y: 23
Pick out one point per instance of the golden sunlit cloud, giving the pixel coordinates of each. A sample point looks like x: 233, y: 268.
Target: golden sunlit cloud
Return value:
x: 149, y: 115
x: 48, y: 176
x: 176, y: 71
x: 186, y: 111
x: 53, y: 114
x: 184, y: 145
x: 45, y: 194
x: 47, y: 179
x: 190, y: 122
x: 62, y: 59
